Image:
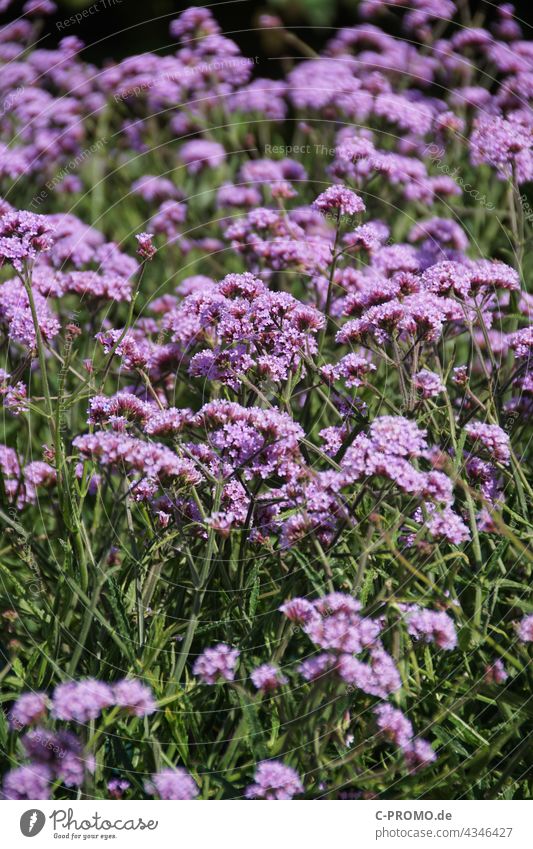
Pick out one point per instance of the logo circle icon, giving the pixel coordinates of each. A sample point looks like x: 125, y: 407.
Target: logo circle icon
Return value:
x: 32, y: 822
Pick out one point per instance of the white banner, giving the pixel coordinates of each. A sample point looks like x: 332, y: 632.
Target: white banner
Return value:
x: 309, y: 824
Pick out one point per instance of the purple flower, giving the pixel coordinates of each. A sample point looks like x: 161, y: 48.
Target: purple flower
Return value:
x: 496, y: 673
x: 343, y: 631
x: 117, y: 787
x: 506, y: 145
x: 155, y: 189
x: 172, y: 784
x: 146, y: 249
x: 428, y: 383
x: 61, y: 752
x: 23, y: 235
x: 419, y: 754
x: 445, y: 523
x: 29, y: 708
x: 522, y: 342
x: 315, y: 667
x: 368, y: 237
x: 398, y: 435
x: 379, y: 678
x: 88, y: 284
x: 493, y: 274
x: 447, y: 278
x: 238, y: 196
x: 341, y: 199
x: 444, y: 231
x: 267, y: 677
x: 298, y: 610
x: 134, y: 696
x: 394, y: 725
x: 353, y: 368
x: 27, y: 782
x: 525, y: 629
x: 15, y: 398
x: 492, y: 438
x: 193, y: 24
x: 264, y: 96
x: 200, y: 154
x: 15, y: 311
x: 81, y: 701
x: 460, y: 375
x: 433, y: 627
x: 274, y: 780
x: 34, y: 8
x: 126, y: 452
x: 215, y: 663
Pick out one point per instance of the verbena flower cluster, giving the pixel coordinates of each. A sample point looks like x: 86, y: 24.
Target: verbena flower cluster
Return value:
x: 267, y: 385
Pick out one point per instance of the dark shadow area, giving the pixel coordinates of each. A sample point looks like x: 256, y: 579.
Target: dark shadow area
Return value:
x: 118, y: 28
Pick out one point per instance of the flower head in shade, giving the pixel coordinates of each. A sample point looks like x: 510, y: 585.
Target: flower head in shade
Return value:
x: 117, y: 787
x: 394, y: 726
x: 28, y: 709
x: 27, y: 782
x: 216, y: 662
x: 339, y: 199
x: 61, y: 752
x: 525, y: 629
x: 134, y: 696
x: 460, y: 375
x: 267, y: 677
x: 496, y: 673
x: 274, y: 780
x: 146, y: 248
x: 81, y: 701
x: 315, y: 667
x: 419, y: 754
x: 172, y: 784
x: 34, y: 8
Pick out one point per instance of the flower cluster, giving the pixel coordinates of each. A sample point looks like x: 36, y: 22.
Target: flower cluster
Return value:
x: 216, y: 663
x: 334, y: 624
x: 274, y: 780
